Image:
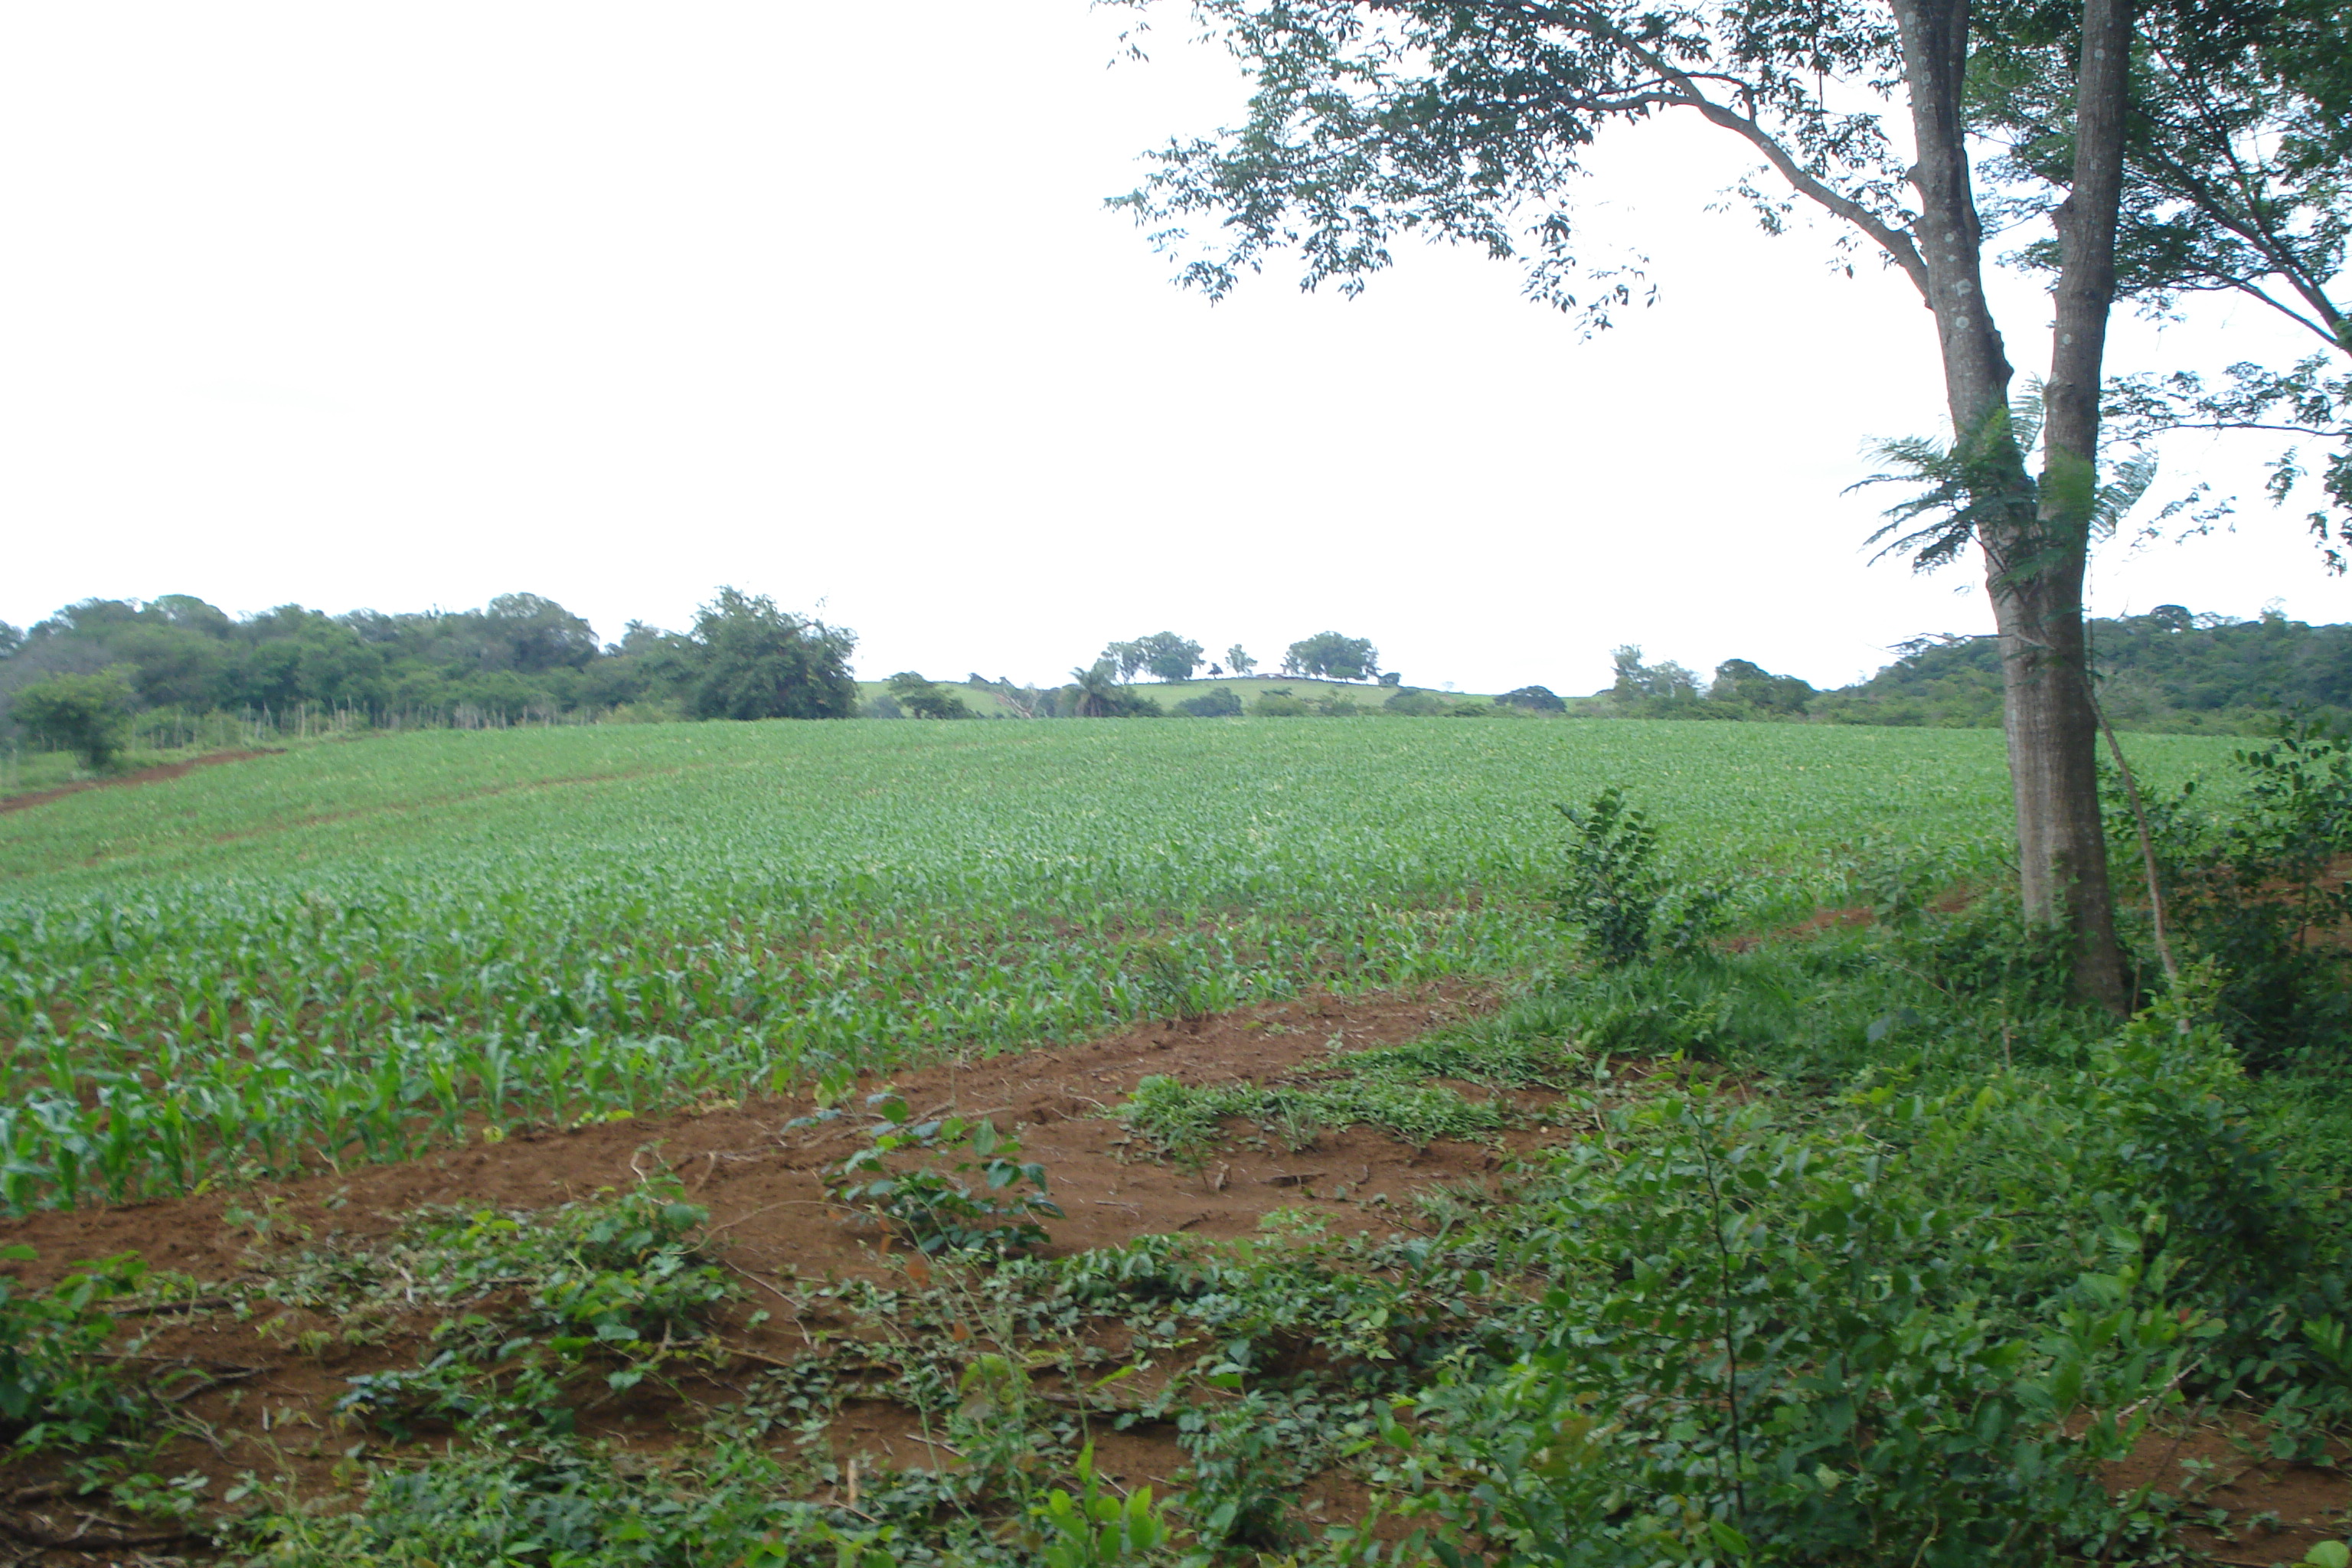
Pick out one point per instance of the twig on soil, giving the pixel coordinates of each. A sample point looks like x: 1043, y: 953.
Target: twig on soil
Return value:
x: 791, y: 1307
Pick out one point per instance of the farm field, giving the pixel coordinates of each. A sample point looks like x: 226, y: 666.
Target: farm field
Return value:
x: 355, y: 951
x: 1152, y: 1144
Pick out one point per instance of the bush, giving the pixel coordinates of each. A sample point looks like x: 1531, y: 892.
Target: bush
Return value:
x: 1415, y: 703
x: 1616, y: 894
x: 1535, y: 698
x: 1279, y: 704
x: 89, y: 715
x: 924, y: 700
x: 1760, y: 1348
x: 1219, y: 704
x: 2249, y: 888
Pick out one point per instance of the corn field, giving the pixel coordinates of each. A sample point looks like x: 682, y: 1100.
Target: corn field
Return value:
x: 354, y: 952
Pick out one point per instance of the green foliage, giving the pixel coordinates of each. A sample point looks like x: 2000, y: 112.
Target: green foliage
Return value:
x: 1616, y: 894
x: 1281, y: 703
x: 89, y: 715
x: 1535, y: 698
x: 919, y: 697
x: 1760, y: 1348
x: 57, y: 1391
x: 752, y: 660
x: 1219, y: 704
x: 1097, y: 692
x: 612, y: 1286
x: 1182, y: 1119
x: 356, y: 954
x: 1332, y: 656
x: 2251, y: 886
x: 1094, y: 1529
x: 934, y: 1209
x: 562, y: 1504
x: 1747, y: 684
x: 2166, y: 671
x: 1414, y: 703
x: 1164, y: 654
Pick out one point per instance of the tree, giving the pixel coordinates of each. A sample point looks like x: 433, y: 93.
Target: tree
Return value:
x: 2233, y: 182
x: 924, y: 700
x: 1640, y: 684
x: 1535, y: 698
x: 1468, y: 123
x: 1239, y: 662
x: 1170, y: 656
x: 87, y: 714
x: 1124, y: 658
x: 1332, y: 655
x: 11, y: 638
x: 752, y: 660
x: 1744, y: 681
x: 1097, y: 692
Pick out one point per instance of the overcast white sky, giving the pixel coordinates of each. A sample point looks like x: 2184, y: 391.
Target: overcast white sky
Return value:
x: 393, y: 305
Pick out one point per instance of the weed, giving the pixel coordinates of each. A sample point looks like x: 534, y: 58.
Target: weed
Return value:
x: 1616, y: 894
x: 936, y: 1210
x: 1182, y: 1119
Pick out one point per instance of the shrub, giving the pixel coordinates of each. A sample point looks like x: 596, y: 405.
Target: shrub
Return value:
x: 1219, y: 704
x: 1279, y: 704
x: 1415, y: 703
x: 1758, y: 1350
x: 924, y: 700
x: 1615, y: 893
x: 2249, y: 888
x: 1535, y: 698
x: 89, y: 715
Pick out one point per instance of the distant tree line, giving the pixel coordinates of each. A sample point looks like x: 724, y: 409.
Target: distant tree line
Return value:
x: 2169, y: 671
x: 519, y: 659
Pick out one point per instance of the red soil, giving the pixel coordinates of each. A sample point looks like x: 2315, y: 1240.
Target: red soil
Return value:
x: 137, y: 776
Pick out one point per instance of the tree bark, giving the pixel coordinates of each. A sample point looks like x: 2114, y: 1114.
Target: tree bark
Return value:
x: 2036, y: 539
x: 2052, y: 723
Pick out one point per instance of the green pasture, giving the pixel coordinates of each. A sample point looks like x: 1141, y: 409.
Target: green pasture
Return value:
x: 354, y: 949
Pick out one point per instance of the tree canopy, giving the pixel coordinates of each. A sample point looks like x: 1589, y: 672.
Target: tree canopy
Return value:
x: 1334, y: 656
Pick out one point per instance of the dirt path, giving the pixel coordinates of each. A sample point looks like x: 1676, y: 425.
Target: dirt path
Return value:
x: 155, y: 775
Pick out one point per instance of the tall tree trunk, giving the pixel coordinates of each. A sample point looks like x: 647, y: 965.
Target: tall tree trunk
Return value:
x: 2051, y: 725
x: 2035, y: 546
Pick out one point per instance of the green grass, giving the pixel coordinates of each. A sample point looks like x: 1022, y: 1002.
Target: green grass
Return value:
x: 352, y: 950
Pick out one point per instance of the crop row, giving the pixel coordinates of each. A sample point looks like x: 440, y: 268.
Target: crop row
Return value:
x: 354, y: 952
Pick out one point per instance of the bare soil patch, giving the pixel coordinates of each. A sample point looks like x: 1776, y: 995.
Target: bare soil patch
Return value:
x: 280, y: 1377
x: 155, y: 775
x: 762, y: 1184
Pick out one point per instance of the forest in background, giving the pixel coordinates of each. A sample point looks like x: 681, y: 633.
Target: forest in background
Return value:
x: 177, y: 660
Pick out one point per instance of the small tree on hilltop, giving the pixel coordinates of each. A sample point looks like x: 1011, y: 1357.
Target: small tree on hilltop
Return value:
x: 1238, y: 662
x: 1333, y: 656
x: 1169, y: 657
x: 89, y: 715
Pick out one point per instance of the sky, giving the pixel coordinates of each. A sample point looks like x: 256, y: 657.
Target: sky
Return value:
x: 403, y: 306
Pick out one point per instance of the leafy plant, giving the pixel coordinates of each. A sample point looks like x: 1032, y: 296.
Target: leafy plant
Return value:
x: 1094, y: 1529
x: 57, y: 1389
x: 612, y: 1285
x: 933, y: 1208
x: 1757, y: 1349
x: 1183, y: 1117
x: 1617, y: 895
x: 2250, y: 886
